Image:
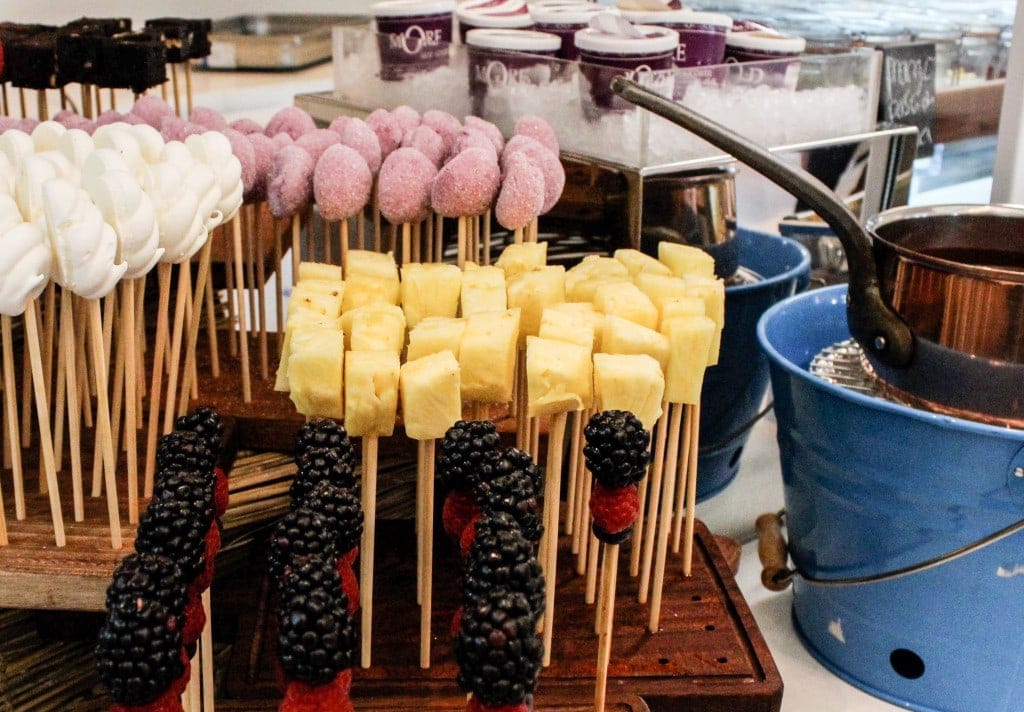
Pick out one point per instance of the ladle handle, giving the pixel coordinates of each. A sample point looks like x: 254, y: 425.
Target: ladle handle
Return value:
x: 872, y: 322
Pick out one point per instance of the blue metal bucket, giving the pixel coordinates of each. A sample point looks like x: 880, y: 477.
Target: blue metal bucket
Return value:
x: 734, y: 389
x: 872, y: 487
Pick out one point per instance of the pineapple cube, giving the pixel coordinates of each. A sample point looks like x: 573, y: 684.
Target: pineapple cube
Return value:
x: 562, y: 325
x: 487, y: 356
x: 522, y: 257
x: 435, y: 334
x: 559, y: 376
x: 313, y: 300
x: 686, y: 260
x: 318, y: 270
x: 431, y: 395
x: 370, y: 277
x: 660, y: 288
x: 430, y: 290
x: 315, y: 368
x: 371, y: 392
x: 679, y: 306
x: 712, y: 292
x: 584, y: 313
x: 376, y: 327
x: 532, y: 292
x: 584, y: 290
x: 690, y: 340
x: 637, y: 262
x: 626, y: 300
x: 593, y: 269
x: 331, y: 287
x: 300, y: 319
x: 622, y: 336
x: 633, y: 382
x: 483, y: 289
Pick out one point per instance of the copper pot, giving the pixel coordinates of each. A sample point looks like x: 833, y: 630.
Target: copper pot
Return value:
x: 936, y: 295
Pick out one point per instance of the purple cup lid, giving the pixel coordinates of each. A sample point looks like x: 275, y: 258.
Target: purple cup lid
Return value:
x: 678, y: 17
x: 655, y: 40
x: 514, y: 40
x: 412, y: 8
x: 766, y: 41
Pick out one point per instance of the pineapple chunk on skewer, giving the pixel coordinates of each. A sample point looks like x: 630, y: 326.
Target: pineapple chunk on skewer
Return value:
x: 685, y: 260
x: 431, y: 395
x: 563, y: 325
x: 311, y: 299
x: 633, y: 382
x: 532, y: 292
x: 660, y: 288
x: 690, y: 341
x: 626, y: 300
x: 430, y: 289
x: 522, y: 257
x: 712, y: 292
x: 584, y: 313
x: 676, y: 307
x: 371, y: 392
x: 622, y: 336
x: 300, y: 319
x: 319, y: 270
x: 583, y: 279
x: 315, y: 371
x: 435, y: 334
x: 559, y: 376
x: 637, y: 262
x: 375, y: 327
x: 487, y: 356
x: 370, y: 277
x: 483, y: 289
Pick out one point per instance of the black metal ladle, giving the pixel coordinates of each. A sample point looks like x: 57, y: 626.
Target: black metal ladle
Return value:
x: 872, y: 322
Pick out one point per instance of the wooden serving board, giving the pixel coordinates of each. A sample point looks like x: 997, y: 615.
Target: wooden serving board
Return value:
x: 709, y: 655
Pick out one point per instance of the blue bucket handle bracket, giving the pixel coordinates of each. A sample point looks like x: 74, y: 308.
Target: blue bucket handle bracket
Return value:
x: 1015, y: 475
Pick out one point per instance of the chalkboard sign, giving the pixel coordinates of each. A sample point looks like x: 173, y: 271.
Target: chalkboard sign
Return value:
x: 908, y: 90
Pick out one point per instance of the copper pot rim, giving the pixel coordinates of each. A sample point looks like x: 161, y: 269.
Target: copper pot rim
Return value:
x: 909, y: 213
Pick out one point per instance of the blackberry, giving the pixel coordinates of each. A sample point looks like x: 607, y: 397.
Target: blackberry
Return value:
x: 192, y: 488
x: 465, y: 449
x: 206, y: 423
x: 510, y: 460
x: 149, y: 576
x: 324, y: 432
x: 317, y: 465
x: 138, y: 655
x: 184, y: 450
x: 342, y: 511
x: 497, y: 649
x: 316, y: 636
x: 513, y: 493
x: 617, y: 448
x: 501, y: 557
x: 300, y: 535
x: 174, y: 529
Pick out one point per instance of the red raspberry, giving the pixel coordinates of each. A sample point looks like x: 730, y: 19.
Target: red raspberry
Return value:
x: 220, y: 496
x: 349, y: 585
x: 195, y: 621
x: 459, y: 510
x: 468, y: 535
x: 332, y: 697
x: 170, y: 701
x: 475, y: 706
x: 179, y: 685
x: 350, y: 556
x: 614, y: 508
x: 456, y: 622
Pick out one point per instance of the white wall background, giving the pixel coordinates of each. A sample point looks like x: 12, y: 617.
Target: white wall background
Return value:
x: 60, y: 11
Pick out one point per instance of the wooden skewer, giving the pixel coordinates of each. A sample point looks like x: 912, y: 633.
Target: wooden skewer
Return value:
x: 583, y: 529
x: 609, y: 570
x: 654, y: 501
x: 42, y: 107
x: 575, y: 445
x: 211, y: 330
x: 177, y: 336
x: 26, y: 399
x: 21, y: 100
x: 229, y: 275
x: 11, y: 416
x: 461, y: 259
x: 406, y: 243
x: 103, y: 432
x: 279, y: 291
x: 177, y: 91
x: 417, y: 241
x: 261, y: 291
x: 517, y: 235
x: 188, y: 98
x: 195, y: 697
x: 202, y: 279
x: 131, y: 416
x: 67, y: 341
x: 693, y: 438
x: 243, y: 325
x: 580, y: 515
x: 343, y: 239
x: 428, y: 240
x: 156, y: 385
x: 43, y: 416
x: 593, y: 548
x: 296, y: 246
x: 665, y: 515
x: 49, y: 332
x: 552, y: 488
x: 206, y: 655
x: 360, y: 231
x: 108, y: 338
x: 420, y: 508
x: 249, y: 245
x: 376, y: 218
x: 439, y: 239
x: 366, y: 547
x: 426, y: 611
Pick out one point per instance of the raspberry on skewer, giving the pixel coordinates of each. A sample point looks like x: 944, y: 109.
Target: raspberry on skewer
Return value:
x: 464, y: 451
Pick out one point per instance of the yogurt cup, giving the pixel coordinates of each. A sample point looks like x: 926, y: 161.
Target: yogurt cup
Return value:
x: 412, y: 35
x: 648, y: 60
x: 564, y: 18
x: 507, y: 59
x: 701, y: 34
x: 507, y: 15
x: 777, y: 55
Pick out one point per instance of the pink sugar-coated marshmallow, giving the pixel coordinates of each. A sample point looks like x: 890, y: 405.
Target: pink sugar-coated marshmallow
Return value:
x: 28, y: 124
x: 282, y: 139
x: 152, y: 109
x: 70, y: 120
x: 290, y: 120
x: 407, y: 117
x: 338, y: 124
x: 428, y: 142
x: 539, y: 129
x: 316, y: 142
x: 263, y: 150
x: 521, y: 198
x: 174, y: 129
x: 246, y: 126
x: 548, y: 162
x: 357, y: 135
x: 489, y: 130
x: 467, y: 184
x: 389, y: 131
x: 404, y: 186
x: 110, y: 116
x: 446, y: 125
x: 246, y: 155
x: 471, y: 138
x: 290, y: 184
x: 9, y: 122
x: 341, y: 183
x: 210, y: 118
